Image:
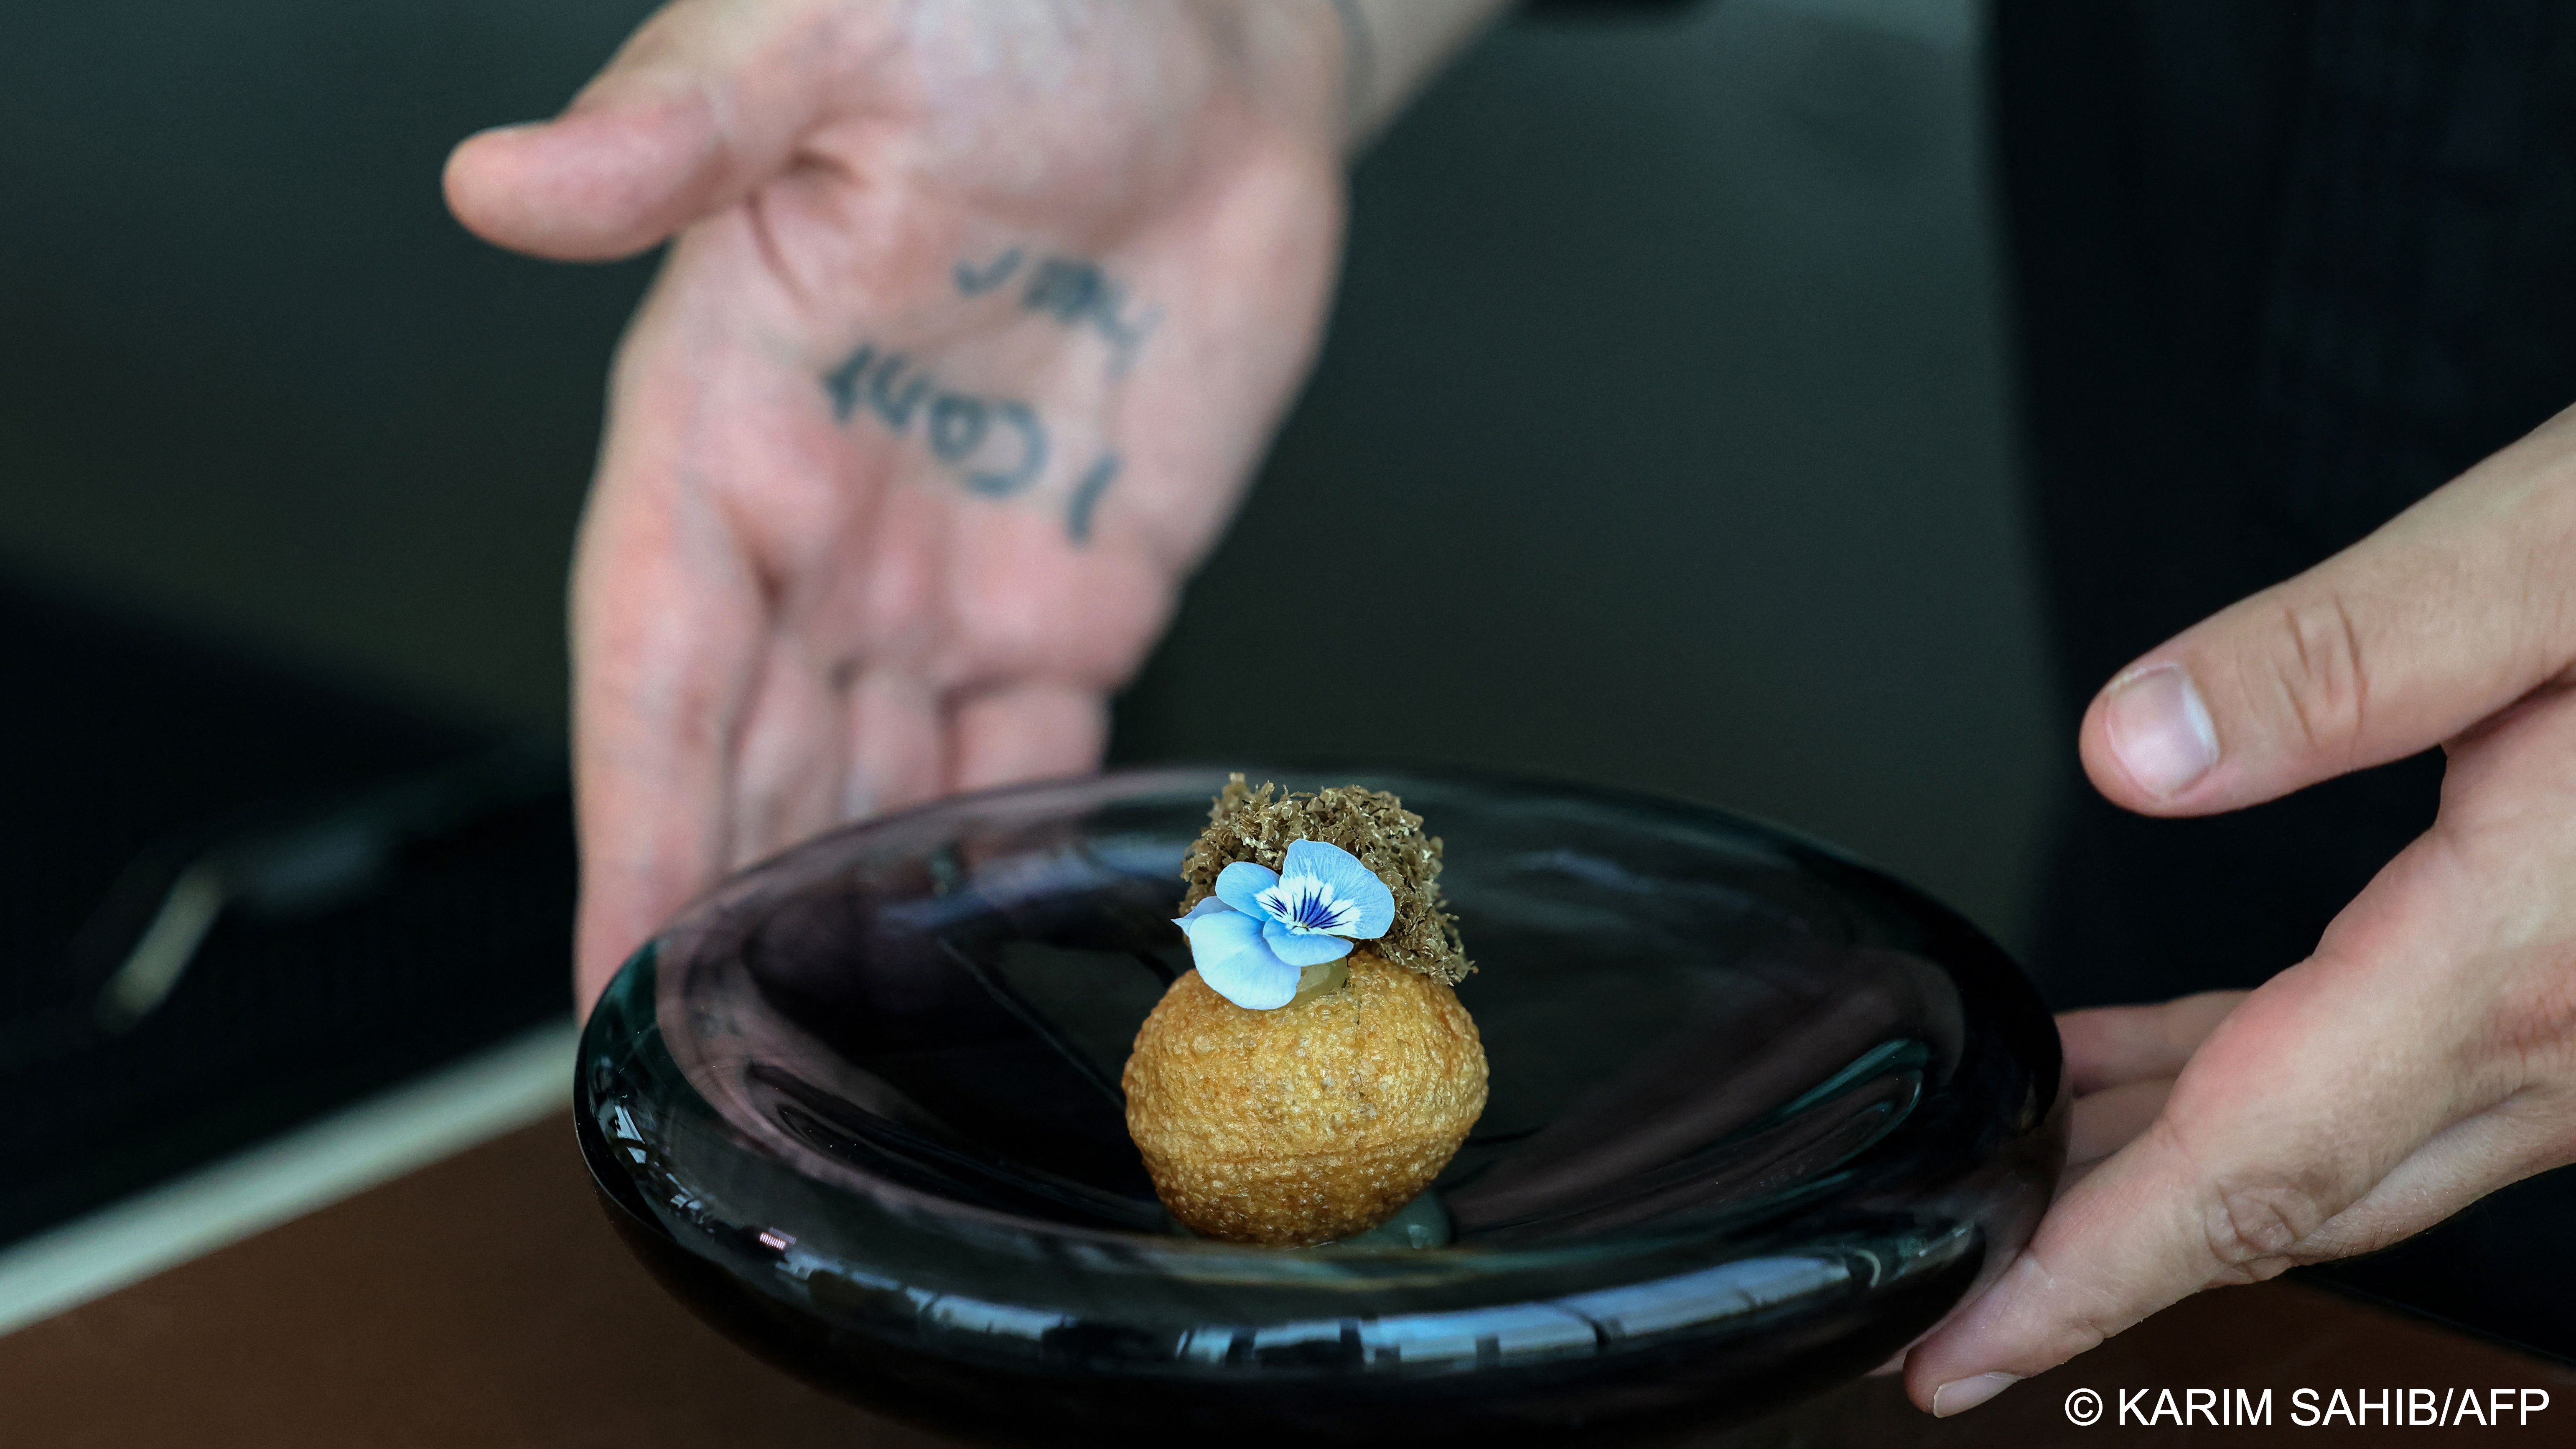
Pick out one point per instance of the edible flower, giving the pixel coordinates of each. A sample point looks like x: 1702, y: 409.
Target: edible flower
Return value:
x: 1255, y: 936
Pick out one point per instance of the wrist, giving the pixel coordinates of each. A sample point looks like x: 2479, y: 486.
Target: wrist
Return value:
x: 1339, y: 70
x: 1392, y: 48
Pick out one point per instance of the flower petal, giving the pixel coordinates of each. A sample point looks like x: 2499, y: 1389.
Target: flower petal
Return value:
x: 1239, y: 884
x: 1220, y: 930
x: 1302, y: 948
x: 1350, y: 880
x: 1237, y: 965
x: 1206, y: 905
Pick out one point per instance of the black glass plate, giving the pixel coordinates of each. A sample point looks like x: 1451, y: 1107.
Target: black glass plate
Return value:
x: 1758, y: 1117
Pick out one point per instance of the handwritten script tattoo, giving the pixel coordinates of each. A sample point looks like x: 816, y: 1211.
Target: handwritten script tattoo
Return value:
x: 975, y: 281
x: 996, y: 447
x: 1086, y: 495
x: 1074, y: 292
x: 999, y: 447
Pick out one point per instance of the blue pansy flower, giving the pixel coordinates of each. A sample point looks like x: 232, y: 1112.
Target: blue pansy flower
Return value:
x: 1262, y: 927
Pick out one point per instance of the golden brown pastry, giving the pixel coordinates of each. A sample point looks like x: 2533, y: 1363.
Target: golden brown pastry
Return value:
x: 1316, y: 1072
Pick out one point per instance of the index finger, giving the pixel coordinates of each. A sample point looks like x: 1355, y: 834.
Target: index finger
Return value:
x: 2292, y: 1112
x: 2113, y: 1046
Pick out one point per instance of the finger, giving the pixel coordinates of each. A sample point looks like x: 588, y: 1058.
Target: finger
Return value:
x: 1036, y: 731
x: 2108, y: 1120
x: 898, y: 748
x: 2108, y: 1046
x: 668, y: 618
x: 2121, y: 1062
x: 2452, y: 611
x: 2461, y: 1163
x: 666, y: 626
x: 706, y: 101
x: 2295, y: 1108
x: 789, y: 769
x: 2059, y: 1303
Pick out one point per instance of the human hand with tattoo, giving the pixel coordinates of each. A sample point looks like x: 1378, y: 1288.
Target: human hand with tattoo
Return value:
x: 2426, y: 1053
x: 975, y: 320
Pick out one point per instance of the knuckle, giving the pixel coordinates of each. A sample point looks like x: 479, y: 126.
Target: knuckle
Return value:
x: 2255, y: 1229
x: 2085, y: 1331
x: 2090, y: 1314
x: 2530, y: 1027
x: 2318, y: 671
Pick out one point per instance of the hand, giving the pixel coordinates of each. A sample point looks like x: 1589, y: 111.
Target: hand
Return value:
x: 978, y: 318
x: 2426, y: 1053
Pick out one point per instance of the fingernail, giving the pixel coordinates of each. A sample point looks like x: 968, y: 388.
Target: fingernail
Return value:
x: 1960, y: 1395
x: 2160, y: 730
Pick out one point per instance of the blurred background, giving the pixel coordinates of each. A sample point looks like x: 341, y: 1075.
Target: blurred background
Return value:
x: 1669, y: 346
x: 1669, y: 349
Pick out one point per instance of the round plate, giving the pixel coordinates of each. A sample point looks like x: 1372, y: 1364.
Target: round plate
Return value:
x: 1758, y: 1117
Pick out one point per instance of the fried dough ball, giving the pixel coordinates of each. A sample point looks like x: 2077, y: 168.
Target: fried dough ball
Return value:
x: 1309, y: 1123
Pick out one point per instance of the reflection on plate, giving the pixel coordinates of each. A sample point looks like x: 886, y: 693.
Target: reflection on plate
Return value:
x: 1759, y: 1116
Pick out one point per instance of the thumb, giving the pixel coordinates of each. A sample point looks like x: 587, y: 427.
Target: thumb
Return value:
x: 2311, y: 1124
x: 709, y: 99
x: 2458, y: 607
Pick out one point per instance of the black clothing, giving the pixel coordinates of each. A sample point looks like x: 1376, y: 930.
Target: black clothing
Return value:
x: 2282, y: 268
